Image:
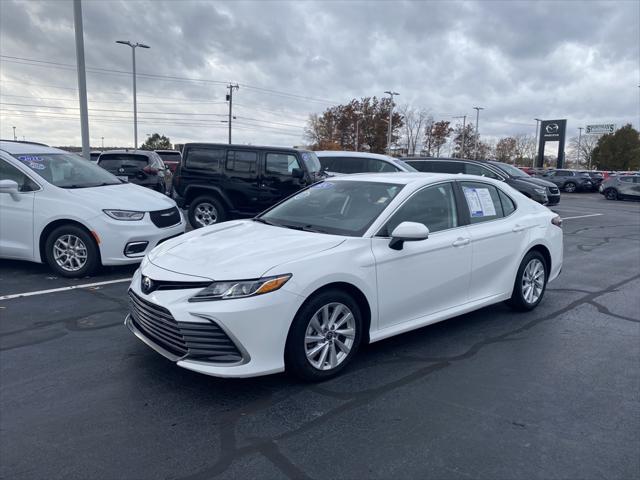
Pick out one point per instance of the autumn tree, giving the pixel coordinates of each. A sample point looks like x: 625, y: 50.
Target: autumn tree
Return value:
x: 335, y: 128
x: 466, y: 136
x: 525, y: 148
x: 506, y: 150
x: 619, y: 150
x: 157, y: 142
x: 440, y: 132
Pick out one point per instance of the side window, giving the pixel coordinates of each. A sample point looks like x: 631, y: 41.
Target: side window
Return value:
x: 508, y: 207
x: 563, y: 173
x: 421, y: 166
x: 447, y: 167
x: 281, y: 163
x: 326, y: 163
x: 483, y: 201
x: 349, y: 165
x: 626, y: 179
x: 378, y: 166
x: 473, y: 169
x: 9, y: 172
x: 204, y: 158
x: 241, y: 161
x: 434, y: 207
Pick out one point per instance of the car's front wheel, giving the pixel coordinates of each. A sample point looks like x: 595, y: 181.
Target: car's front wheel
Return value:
x: 324, y: 336
x: 205, y: 211
x: 71, y: 251
x: 611, y: 194
x: 531, y: 282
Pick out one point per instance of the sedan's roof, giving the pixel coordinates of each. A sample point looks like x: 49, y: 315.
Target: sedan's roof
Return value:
x: 342, y: 153
x: 405, y: 178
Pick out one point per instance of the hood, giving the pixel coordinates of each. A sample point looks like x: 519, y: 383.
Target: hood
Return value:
x: 535, y: 181
x: 125, y: 196
x: 238, y: 250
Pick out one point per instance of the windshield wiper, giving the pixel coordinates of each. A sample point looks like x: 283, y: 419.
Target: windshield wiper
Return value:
x: 266, y: 222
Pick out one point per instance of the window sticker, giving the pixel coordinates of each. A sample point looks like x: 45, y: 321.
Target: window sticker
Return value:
x: 324, y: 185
x: 302, y: 195
x: 30, y: 158
x: 36, y: 165
x: 480, y: 202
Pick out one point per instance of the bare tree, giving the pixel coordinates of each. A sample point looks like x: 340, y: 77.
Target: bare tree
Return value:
x: 582, y: 156
x: 525, y: 148
x: 414, y: 119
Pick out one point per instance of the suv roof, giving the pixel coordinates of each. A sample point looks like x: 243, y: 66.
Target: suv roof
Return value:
x: 246, y: 147
x: 16, y: 148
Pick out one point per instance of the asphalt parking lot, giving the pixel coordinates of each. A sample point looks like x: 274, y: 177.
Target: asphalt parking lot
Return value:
x: 554, y: 393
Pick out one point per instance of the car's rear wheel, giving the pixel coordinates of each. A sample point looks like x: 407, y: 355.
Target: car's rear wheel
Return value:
x: 570, y: 187
x: 531, y: 282
x: 324, y: 336
x: 205, y: 211
x: 611, y: 194
x: 71, y: 251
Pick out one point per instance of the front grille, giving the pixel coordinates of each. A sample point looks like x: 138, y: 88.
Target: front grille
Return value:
x: 165, y: 218
x: 554, y: 190
x: 198, y: 341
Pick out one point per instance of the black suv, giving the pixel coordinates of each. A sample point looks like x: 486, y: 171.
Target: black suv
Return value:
x: 142, y: 167
x: 541, y: 191
x: 217, y: 182
x: 570, y: 180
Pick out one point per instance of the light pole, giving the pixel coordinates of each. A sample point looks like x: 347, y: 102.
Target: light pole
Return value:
x: 357, y: 113
x: 579, y: 144
x: 15, y: 139
x: 230, y: 100
x: 477, y: 109
x: 538, y: 120
x: 135, y: 105
x: 102, y: 138
x: 464, y: 133
x: 391, y: 95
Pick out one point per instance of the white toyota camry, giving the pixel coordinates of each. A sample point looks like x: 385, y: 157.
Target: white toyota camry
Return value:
x: 348, y: 260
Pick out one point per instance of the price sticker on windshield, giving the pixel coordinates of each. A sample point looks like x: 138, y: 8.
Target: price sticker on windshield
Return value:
x: 479, y: 201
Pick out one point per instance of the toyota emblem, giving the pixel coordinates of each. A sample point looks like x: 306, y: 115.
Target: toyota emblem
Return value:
x: 147, y: 285
x: 121, y: 170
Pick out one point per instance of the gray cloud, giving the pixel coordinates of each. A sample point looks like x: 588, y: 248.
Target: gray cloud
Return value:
x: 520, y: 60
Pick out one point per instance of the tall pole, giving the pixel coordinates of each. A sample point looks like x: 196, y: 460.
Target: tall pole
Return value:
x: 82, y: 78
x: 15, y: 139
x: 135, y: 102
x: 102, y: 138
x: 391, y: 95
x: 230, y: 99
x: 477, y: 109
x: 579, y: 149
x: 537, y: 133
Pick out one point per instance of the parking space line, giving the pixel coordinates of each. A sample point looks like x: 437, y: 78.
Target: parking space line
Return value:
x: 583, y: 216
x: 62, y: 289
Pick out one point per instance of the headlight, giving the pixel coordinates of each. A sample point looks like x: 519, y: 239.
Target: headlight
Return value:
x: 128, y: 215
x: 240, y: 288
x: 540, y: 191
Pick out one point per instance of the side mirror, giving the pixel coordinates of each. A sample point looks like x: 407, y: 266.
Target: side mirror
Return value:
x: 297, y: 173
x: 407, y: 232
x: 9, y: 186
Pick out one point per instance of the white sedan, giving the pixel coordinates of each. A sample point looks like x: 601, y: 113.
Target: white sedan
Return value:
x: 348, y: 260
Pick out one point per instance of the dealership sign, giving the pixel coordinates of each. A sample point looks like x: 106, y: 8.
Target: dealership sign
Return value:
x: 600, y: 129
x: 552, y: 131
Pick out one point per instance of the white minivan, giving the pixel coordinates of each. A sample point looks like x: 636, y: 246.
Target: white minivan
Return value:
x: 57, y: 208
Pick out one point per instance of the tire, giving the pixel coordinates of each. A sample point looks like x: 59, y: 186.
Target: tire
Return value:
x: 611, y: 194
x: 205, y: 211
x: 570, y: 187
x: 520, y: 298
x: 72, y: 252
x: 300, y: 359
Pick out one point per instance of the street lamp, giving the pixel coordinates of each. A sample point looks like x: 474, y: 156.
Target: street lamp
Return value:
x: 135, y: 106
x: 538, y: 120
x: 391, y: 95
x: 14, y: 134
x: 477, y: 109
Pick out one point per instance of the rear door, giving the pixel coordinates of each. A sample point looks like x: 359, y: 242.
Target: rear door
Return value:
x: 497, y: 237
x: 201, y: 166
x: 277, y: 181
x: 241, y: 180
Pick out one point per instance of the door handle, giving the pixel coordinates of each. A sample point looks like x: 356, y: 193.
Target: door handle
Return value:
x: 518, y: 228
x: 460, y: 242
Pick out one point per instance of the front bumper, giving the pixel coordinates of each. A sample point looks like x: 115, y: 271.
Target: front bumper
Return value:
x: 115, y: 235
x: 258, y: 326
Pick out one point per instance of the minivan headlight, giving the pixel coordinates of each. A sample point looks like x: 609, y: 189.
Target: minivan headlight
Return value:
x: 240, y: 288
x: 128, y: 215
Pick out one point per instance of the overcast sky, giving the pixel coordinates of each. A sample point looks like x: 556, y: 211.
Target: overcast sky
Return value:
x: 577, y: 60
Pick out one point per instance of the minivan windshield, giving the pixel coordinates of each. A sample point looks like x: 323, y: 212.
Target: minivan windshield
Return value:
x: 67, y: 170
x: 337, y: 207
x: 510, y: 169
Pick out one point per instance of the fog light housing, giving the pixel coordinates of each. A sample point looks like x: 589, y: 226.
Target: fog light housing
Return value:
x: 135, y: 249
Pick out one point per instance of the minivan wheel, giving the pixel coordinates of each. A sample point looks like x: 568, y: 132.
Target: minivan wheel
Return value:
x: 531, y: 282
x: 205, y: 211
x: 611, y: 194
x: 324, y: 336
x: 71, y: 252
x: 570, y: 187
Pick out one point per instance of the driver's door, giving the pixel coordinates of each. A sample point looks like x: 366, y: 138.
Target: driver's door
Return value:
x: 425, y: 276
x: 277, y: 181
x: 16, y: 215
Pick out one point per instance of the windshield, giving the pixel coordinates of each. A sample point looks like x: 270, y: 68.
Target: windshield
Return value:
x: 336, y: 207
x: 408, y: 167
x: 67, y: 170
x: 510, y: 169
x: 311, y: 161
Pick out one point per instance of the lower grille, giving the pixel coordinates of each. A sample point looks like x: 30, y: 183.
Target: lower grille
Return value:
x: 165, y: 218
x: 198, y: 341
x: 554, y: 190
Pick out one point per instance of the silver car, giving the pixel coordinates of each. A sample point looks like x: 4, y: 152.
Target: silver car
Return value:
x: 620, y: 187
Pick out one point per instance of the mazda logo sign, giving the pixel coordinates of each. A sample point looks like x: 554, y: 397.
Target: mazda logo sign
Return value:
x: 147, y: 285
x: 552, y: 128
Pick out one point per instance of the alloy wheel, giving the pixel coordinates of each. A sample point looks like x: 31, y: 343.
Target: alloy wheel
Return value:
x: 533, y: 279
x: 611, y: 194
x: 205, y: 214
x: 330, y: 336
x: 570, y: 187
x: 70, y: 252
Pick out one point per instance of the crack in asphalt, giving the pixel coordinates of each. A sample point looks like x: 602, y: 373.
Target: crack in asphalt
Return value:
x: 604, y: 310
x: 232, y: 452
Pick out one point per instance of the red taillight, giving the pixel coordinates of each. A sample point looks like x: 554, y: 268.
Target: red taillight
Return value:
x: 149, y: 169
x: 557, y: 221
